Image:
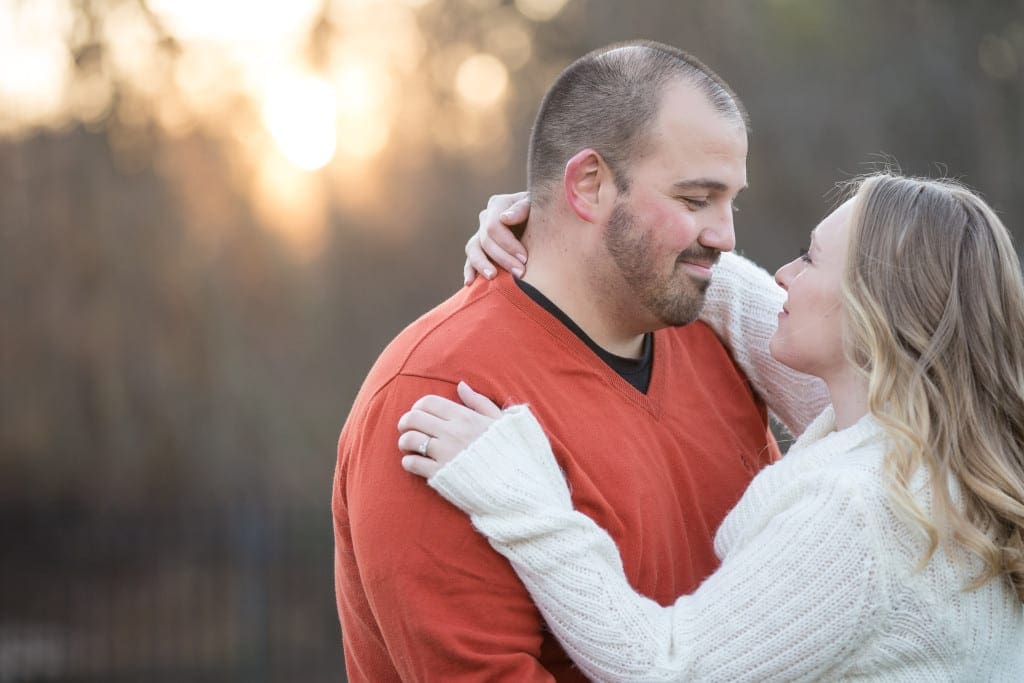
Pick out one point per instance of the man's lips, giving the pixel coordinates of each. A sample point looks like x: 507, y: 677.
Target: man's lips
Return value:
x: 698, y: 267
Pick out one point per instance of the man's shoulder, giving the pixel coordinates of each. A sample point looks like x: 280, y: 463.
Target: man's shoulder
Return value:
x: 466, y: 331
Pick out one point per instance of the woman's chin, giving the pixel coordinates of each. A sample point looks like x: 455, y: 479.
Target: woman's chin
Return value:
x: 777, y: 350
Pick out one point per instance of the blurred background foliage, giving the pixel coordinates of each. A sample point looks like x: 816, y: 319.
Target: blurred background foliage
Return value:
x: 214, y: 214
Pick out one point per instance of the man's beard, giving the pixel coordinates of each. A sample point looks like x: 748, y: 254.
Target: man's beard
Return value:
x: 674, y: 299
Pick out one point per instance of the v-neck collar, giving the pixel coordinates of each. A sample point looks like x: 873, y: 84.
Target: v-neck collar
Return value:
x: 651, y: 401
x: 636, y: 371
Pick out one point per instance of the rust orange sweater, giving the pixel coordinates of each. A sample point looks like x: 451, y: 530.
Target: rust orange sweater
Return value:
x: 421, y: 595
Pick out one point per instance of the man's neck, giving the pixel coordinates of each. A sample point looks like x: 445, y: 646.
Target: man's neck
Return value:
x: 558, y: 272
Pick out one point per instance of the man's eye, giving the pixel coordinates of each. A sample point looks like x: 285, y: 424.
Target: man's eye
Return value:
x: 696, y: 203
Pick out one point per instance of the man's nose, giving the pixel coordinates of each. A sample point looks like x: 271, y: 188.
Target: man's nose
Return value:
x: 721, y: 234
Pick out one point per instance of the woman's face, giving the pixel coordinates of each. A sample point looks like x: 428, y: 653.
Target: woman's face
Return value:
x: 810, y: 333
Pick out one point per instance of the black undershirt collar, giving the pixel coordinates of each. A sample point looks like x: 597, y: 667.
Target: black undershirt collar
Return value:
x: 636, y: 371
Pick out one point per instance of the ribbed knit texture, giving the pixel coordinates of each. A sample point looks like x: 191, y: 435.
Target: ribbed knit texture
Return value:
x: 742, y: 307
x: 818, y: 576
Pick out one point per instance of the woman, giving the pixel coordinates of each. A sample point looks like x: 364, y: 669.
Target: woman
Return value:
x: 887, y: 545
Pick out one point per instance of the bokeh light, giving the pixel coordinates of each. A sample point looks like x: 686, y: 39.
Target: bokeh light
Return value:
x: 316, y: 76
x: 540, y: 10
x: 34, y: 62
x: 300, y: 113
x: 293, y: 204
x: 481, y: 80
x: 132, y: 39
x: 365, y: 92
x: 510, y: 41
x: 236, y: 22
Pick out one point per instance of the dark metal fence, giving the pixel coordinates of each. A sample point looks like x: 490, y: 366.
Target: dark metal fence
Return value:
x: 227, y: 593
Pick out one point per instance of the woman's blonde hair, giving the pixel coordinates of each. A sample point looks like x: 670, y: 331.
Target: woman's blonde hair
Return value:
x: 935, y: 318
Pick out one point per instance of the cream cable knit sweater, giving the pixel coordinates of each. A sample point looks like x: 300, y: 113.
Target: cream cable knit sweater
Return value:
x: 817, y: 579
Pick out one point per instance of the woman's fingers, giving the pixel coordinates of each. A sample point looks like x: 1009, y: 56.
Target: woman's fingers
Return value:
x: 476, y: 261
x: 500, y: 203
x: 478, y: 401
x: 414, y: 442
x: 494, y: 242
x: 420, y: 466
x: 496, y: 237
x: 441, y: 448
x: 441, y: 407
x: 421, y: 421
x: 436, y: 429
x: 518, y: 212
x: 468, y: 273
x: 499, y: 244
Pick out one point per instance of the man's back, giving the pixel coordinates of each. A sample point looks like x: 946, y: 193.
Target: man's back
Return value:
x: 420, y: 594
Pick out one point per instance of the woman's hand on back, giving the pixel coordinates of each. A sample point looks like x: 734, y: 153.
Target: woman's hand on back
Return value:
x: 436, y: 429
x: 494, y: 243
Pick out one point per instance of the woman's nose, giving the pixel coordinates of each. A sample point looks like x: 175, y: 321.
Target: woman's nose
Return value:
x: 784, y: 274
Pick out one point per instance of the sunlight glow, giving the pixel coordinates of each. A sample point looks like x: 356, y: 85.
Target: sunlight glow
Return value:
x: 300, y: 112
x: 365, y: 90
x: 309, y: 96
x: 236, y: 21
x: 292, y: 204
x: 200, y: 74
x: 363, y: 139
x: 540, y: 10
x: 361, y: 87
x: 130, y: 39
x: 481, y: 80
x: 34, y: 63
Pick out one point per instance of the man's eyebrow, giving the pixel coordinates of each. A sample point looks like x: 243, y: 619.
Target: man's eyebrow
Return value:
x: 703, y: 184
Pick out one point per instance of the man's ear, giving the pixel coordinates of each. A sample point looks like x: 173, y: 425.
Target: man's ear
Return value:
x: 589, y: 186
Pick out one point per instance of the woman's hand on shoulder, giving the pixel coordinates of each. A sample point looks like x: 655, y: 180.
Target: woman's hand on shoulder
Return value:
x: 493, y: 243
x: 436, y: 430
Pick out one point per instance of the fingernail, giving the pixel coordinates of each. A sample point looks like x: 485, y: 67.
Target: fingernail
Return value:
x: 507, y: 213
x: 521, y: 257
x: 518, y: 272
x: 489, y: 273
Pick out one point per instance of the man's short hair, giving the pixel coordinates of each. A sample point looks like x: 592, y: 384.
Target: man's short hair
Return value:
x: 607, y: 100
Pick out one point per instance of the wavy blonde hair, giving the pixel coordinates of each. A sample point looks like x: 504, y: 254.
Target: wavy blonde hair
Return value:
x: 935, y: 318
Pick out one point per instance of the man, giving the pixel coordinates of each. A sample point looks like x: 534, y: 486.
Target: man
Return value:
x: 636, y: 156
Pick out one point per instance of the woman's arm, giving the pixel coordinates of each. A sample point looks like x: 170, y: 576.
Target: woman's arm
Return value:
x: 742, y: 307
x: 794, y: 603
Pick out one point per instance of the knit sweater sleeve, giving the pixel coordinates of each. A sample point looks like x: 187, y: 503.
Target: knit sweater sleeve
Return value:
x: 792, y: 602
x: 742, y: 306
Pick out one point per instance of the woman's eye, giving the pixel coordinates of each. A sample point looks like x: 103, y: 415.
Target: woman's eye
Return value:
x: 805, y: 256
